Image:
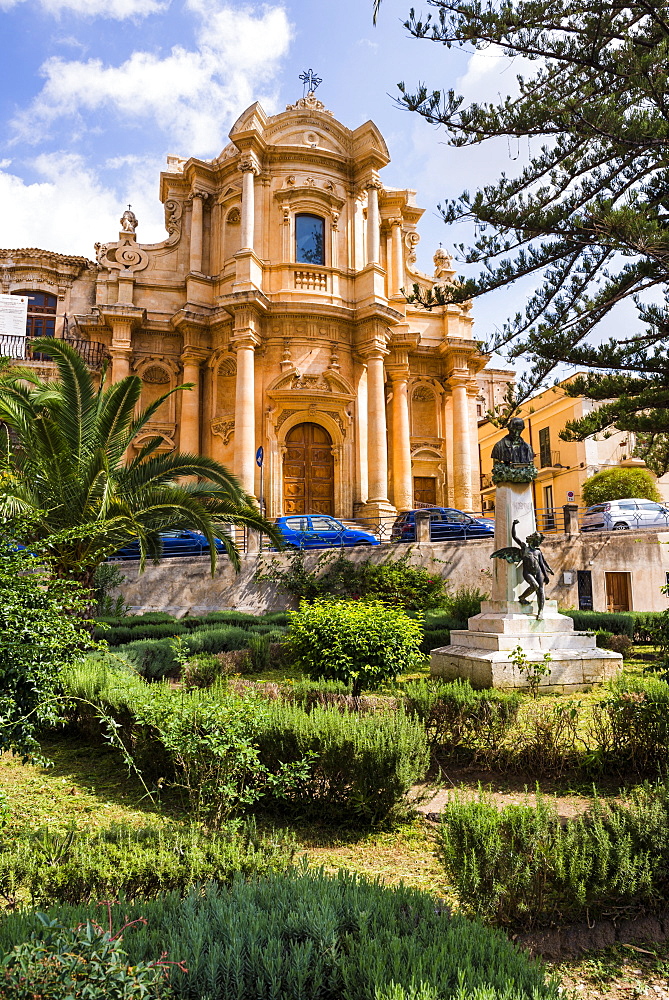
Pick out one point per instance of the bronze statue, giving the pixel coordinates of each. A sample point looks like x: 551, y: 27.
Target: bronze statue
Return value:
x: 512, y: 457
x: 512, y: 450
x: 535, y: 568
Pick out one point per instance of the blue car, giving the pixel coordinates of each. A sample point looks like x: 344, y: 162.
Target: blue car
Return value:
x: 446, y: 524
x: 175, y: 543
x: 316, y: 531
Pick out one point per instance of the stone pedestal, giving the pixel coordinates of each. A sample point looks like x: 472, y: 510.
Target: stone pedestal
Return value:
x: 482, y: 653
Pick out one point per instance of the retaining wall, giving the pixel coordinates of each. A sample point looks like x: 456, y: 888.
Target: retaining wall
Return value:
x: 181, y: 585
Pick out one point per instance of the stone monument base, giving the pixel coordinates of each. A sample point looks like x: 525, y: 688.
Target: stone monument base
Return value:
x: 482, y: 653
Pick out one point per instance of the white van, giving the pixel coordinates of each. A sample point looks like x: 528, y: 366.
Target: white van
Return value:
x: 621, y: 514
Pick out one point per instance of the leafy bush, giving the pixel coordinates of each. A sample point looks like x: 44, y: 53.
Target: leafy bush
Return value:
x: 638, y: 708
x: 259, y: 652
x: 304, y: 934
x: 617, y: 643
x: 618, y: 484
x: 360, y: 765
x: 81, y: 963
x: 454, y: 714
x: 81, y: 866
x: 465, y: 602
x: 106, y: 578
x: 334, y: 575
x: 520, y: 866
x: 365, y: 643
x: 41, y: 631
x: 153, y: 659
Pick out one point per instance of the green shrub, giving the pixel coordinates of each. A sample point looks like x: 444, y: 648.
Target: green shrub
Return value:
x: 42, y: 629
x: 616, y: 643
x: 520, y: 866
x: 603, y: 639
x: 638, y: 709
x: 222, y: 752
x: 440, y: 620
x: 619, y: 484
x: 465, y: 602
x: 361, y: 765
x: 83, y: 866
x: 202, y: 671
x: 618, y: 623
x: 434, y: 640
x: 366, y: 643
x: 106, y: 578
x: 153, y: 659
x: 81, y: 963
x: 334, y: 575
x: 259, y: 652
x: 304, y: 934
x: 455, y: 714
x: 119, y: 635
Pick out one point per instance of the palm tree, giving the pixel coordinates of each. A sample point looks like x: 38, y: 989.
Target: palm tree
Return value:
x: 67, y: 470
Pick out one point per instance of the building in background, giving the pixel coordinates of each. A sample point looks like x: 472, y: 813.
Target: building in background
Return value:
x: 277, y: 296
x: 563, y: 466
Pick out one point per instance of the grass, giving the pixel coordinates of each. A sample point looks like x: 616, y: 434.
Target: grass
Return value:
x: 88, y: 785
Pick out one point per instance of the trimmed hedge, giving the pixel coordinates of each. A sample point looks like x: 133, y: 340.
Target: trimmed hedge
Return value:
x: 360, y: 765
x: 520, y: 867
x: 159, y: 626
x: 305, y: 934
x: 637, y: 625
x: 345, y: 765
x: 86, y: 866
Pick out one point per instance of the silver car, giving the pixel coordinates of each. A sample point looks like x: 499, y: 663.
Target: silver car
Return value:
x: 621, y: 514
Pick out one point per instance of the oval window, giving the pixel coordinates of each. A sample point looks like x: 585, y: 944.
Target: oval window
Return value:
x: 309, y: 239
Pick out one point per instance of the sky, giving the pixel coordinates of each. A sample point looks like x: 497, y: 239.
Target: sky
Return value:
x: 94, y: 94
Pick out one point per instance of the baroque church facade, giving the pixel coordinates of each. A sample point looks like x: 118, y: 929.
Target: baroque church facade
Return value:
x: 277, y: 296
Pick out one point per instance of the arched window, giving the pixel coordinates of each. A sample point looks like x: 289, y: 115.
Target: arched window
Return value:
x: 41, y: 314
x: 309, y: 239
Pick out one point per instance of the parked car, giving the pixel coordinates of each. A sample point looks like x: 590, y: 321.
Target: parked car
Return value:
x: 619, y: 515
x: 175, y: 543
x: 316, y: 531
x: 446, y: 524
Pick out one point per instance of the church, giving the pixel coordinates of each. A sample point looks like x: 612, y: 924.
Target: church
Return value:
x: 277, y: 296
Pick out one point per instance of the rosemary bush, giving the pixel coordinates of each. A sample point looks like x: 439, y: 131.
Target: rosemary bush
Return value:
x: 304, y: 934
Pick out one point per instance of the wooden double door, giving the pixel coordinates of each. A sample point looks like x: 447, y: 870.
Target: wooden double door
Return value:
x: 308, y: 471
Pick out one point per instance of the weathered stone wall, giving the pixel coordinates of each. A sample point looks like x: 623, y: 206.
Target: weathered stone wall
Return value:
x: 181, y: 585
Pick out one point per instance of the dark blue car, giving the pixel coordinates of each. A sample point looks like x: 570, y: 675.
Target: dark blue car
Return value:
x: 316, y: 531
x: 175, y: 543
x: 446, y: 524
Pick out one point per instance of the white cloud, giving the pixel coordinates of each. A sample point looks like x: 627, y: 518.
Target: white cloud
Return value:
x: 190, y: 94
x: 116, y: 9
x: 69, y: 209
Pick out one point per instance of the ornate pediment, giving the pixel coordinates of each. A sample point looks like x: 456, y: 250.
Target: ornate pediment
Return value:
x: 322, y: 382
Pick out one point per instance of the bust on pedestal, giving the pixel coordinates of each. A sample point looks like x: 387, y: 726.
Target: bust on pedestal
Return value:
x: 512, y: 618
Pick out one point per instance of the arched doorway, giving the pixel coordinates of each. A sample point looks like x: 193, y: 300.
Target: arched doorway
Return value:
x: 308, y: 471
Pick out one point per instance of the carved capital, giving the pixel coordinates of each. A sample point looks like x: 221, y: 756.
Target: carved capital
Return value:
x: 249, y: 164
x: 373, y: 183
x: 202, y: 195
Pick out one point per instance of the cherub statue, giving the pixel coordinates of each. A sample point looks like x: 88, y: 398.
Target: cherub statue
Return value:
x: 535, y: 568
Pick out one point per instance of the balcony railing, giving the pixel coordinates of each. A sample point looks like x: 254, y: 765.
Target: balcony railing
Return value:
x: 21, y: 349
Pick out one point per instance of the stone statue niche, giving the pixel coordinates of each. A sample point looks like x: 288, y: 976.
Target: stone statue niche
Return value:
x: 518, y: 613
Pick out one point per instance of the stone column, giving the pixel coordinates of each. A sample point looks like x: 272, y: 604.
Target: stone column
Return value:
x: 189, y: 429
x: 120, y: 363
x: 377, y: 445
x: 245, y: 418
x: 402, y: 481
x: 373, y: 232
x: 197, y: 201
x: 248, y: 169
x: 398, y: 256
x: 462, y: 460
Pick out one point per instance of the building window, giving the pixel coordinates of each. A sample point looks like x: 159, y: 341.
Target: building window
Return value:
x: 545, y: 447
x: 41, y: 314
x: 309, y: 239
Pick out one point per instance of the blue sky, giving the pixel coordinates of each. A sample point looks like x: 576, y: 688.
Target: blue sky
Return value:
x: 95, y: 93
